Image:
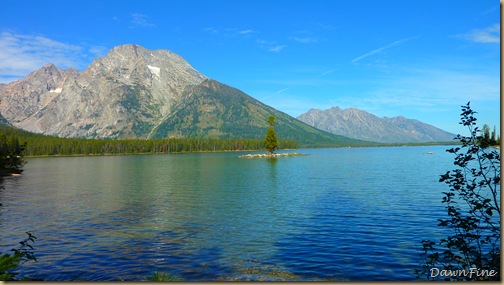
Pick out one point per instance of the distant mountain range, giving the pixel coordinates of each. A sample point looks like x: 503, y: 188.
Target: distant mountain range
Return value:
x: 358, y: 124
x: 134, y: 92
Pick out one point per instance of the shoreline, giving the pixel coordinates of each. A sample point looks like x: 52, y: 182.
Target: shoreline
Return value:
x: 136, y: 153
x: 6, y: 175
x: 226, y: 151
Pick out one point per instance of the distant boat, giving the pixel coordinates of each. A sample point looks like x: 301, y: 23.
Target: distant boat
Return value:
x: 430, y: 152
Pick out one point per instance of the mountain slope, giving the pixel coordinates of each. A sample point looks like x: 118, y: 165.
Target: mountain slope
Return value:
x: 212, y: 109
x: 134, y: 92
x: 358, y: 124
x: 116, y: 96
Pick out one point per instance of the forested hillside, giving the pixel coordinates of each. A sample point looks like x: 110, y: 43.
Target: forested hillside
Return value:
x: 213, y: 109
x: 39, y: 145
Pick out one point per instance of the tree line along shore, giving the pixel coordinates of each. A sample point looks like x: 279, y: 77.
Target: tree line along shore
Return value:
x: 16, y: 142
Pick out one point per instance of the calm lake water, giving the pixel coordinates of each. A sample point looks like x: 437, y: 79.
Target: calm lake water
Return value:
x: 354, y: 214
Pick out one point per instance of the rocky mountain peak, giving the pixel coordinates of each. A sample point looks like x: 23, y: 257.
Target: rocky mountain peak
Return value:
x: 71, y: 72
x: 47, y: 78
x: 48, y: 68
x: 132, y: 63
x: 359, y: 124
x: 127, y: 49
x: 334, y: 109
x: 135, y: 52
x: 46, y: 72
x: 130, y: 83
x: 134, y: 92
x: 129, y: 53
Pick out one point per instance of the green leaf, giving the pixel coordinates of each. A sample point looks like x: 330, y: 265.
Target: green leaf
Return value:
x: 489, y: 211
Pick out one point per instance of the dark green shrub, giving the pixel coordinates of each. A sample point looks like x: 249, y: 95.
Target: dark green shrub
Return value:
x: 11, y: 154
x: 472, y: 252
x: 9, y: 263
x: 163, y: 276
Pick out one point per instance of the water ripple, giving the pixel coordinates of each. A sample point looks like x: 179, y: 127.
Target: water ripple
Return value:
x: 337, y: 214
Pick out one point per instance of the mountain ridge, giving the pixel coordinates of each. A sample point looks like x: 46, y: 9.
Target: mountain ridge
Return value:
x: 133, y: 92
x: 359, y: 124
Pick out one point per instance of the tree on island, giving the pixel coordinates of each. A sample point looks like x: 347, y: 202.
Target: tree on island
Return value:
x: 270, y: 141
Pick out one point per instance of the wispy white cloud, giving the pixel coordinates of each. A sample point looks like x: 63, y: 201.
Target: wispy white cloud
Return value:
x: 304, y: 40
x: 325, y: 27
x: 246, y: 32
x: 141, y: 20
x: 491, y: 10
x: 282, y: 90
x: 423, y: 92
x: 21, y: 54
x: 294, y: 106
x: 276, y: 93
x: 98, y: 51
x: 327, y: 72
x: 391, y: 45
x: 431, y: 87
x: 490, y: 34
x: 211, y: 30
x: 431, y: 95
x: 310, y: 81
x: 270, y: 45
x: 277, y: 48
x: 230, y: 32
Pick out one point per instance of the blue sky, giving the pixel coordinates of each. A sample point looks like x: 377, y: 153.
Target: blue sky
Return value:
x: 418, y: 59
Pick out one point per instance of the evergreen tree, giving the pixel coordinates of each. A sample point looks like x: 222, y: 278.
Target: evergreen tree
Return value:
x: 11, y: 154
x: 492, y: 138
x: 485, y: 139
x: 270, y: 141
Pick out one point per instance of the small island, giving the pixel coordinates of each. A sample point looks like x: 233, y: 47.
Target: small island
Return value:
x: 272, y: 155
x: 271, y: 143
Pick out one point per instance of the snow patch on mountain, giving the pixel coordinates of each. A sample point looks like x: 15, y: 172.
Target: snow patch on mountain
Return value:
x: 155, y: 70
x: 57, y: 90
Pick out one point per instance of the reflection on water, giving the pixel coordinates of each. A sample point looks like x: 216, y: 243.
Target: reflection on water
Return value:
x: 337, y: 214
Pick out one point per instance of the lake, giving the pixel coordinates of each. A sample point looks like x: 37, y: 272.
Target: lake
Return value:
x: 354, y: 214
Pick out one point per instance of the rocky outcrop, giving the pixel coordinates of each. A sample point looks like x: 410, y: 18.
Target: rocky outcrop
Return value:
x: 123, y: 94
x: 271, y: 155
